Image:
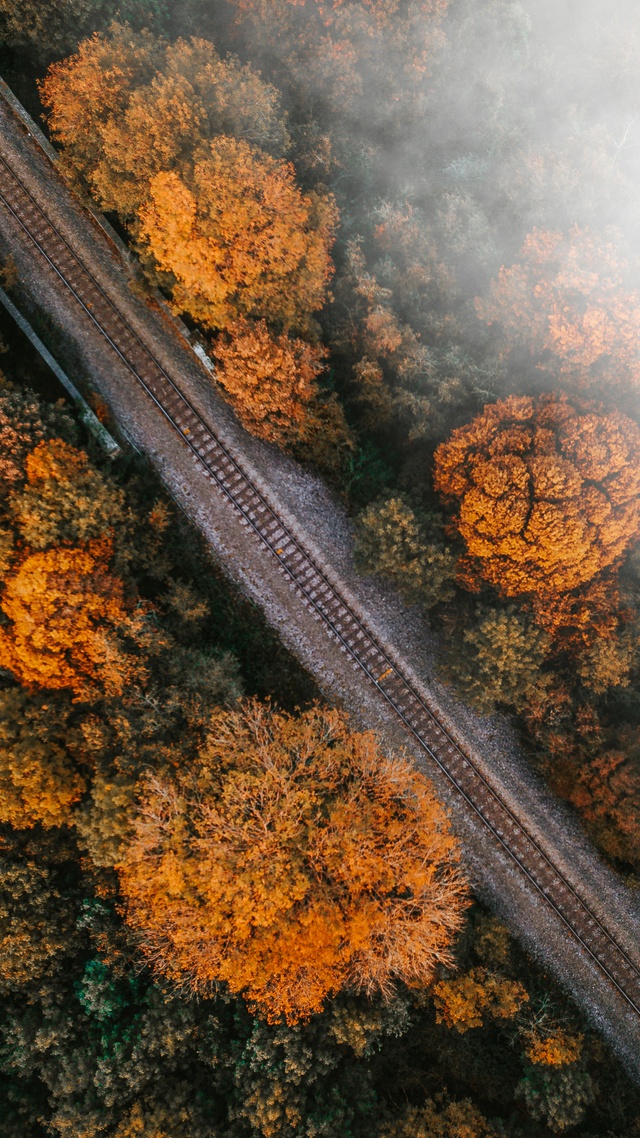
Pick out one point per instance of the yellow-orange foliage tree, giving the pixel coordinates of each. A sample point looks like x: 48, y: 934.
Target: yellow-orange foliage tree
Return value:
x: 185, y: 147
x: 464, y: 1001
x: 89, y: 89
x: 65, y: 499
x: 293, y: 861
x: 570, y: 302
x: 65, y: 613
x: 181, y: 144
x: 239, y: 238
x: 546, y: 495
x: 555, y: 1046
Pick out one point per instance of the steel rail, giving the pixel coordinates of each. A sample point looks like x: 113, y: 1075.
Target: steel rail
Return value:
x: 312, y: 583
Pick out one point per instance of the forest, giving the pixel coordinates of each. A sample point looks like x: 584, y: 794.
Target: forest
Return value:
x: 408, y: 234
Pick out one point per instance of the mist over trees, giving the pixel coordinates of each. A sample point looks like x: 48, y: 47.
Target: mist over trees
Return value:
x: 408, y: 233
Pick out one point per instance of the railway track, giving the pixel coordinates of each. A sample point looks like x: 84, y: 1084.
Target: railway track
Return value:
x: 314, y: 589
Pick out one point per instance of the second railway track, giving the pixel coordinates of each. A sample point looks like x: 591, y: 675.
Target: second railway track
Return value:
x: 322, y: 597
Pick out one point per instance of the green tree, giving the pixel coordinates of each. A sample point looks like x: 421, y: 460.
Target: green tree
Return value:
x: 500, y: 660
x: 392, y: 542
x: 558, y: 1096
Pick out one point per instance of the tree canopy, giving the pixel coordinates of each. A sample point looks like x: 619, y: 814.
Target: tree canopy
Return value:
x: 570, y: 304
x: 129, y: 105
x: 238, y: 238
x: 545, y: 492
x: 271, y: 380
x: 292, y: 861
x: 66, y: 613
x: 49, y: 27
x: 350, y: 51
x: 39, y: 782
x: 392, y: 542
x: 186, y: 148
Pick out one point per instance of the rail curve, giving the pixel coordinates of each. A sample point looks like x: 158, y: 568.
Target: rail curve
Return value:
x: 314, y: 588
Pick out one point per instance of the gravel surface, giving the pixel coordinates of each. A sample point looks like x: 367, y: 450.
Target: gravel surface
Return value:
x: 310, y: 510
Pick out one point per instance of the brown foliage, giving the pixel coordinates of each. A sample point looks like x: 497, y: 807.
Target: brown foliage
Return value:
x: 594, y: 767
x: 293, y: 861
x: 395, y: 373
x: 349, y: 49
x: 65, y: 611
x: 569, y: 301
x: 21, y: 428
x: 33, y: 922
x: 607, y: 791
x: 271, y: 382
x: 384, y: 10
x: 546, y: 496
x: 441, y: 1119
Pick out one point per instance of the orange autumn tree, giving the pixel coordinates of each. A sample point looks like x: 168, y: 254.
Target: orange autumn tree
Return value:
x: 464, y: 1001
x: 65, y: 613
x: 546, y: 495
x: 271, y: 380
x: 86, y: 91
x: 65, y: 499
x: 186, y: 147
x: 238, y: 238
x: 293, y: 861
x: 127, y: 106
x: 570, y: 302
x: 554, y: 1046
